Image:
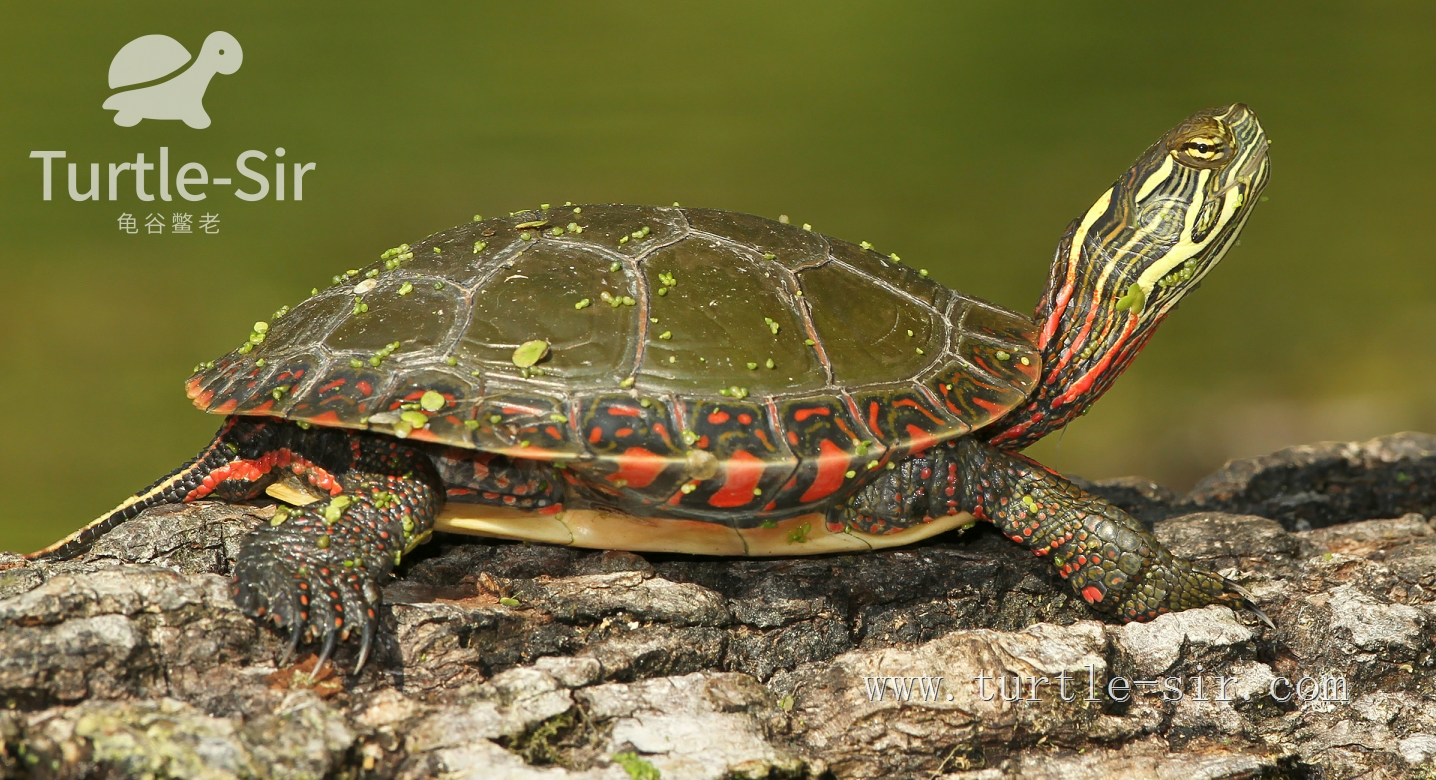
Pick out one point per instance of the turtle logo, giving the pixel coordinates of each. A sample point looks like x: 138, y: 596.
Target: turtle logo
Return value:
x: 175, y: 94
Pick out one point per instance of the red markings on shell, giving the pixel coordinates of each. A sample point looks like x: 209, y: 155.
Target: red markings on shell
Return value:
x: 832, y: 466
x: 741, y: 475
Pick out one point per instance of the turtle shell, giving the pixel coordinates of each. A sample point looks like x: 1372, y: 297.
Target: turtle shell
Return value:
x: 147, y: 58
x: 678, y: 341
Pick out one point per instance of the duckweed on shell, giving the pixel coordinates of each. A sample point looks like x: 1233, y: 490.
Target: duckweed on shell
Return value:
x: 530, y: 352
x: 431, y: 401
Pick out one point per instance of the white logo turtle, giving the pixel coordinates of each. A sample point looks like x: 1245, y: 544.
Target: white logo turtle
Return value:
x: 151, y: 57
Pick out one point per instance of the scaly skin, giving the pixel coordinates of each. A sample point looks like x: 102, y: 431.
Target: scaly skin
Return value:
x: 317, y: 569
x: 1110, y: 559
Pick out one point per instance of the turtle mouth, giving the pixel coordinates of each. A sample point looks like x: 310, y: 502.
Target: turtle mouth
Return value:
x: 1251, y: 173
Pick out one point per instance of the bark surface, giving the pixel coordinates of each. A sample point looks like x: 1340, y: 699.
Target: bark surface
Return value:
x: 504, y: 660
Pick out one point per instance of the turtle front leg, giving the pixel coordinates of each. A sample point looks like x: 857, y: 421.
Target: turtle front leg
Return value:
x: 1111, y: 560
x: 317, y: 569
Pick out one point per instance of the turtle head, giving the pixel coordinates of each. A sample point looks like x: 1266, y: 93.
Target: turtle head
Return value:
x: 1124, y: 265
x: 221, y: 52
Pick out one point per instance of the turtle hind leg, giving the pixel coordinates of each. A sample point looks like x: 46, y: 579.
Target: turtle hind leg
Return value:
x: 1110, y: 559
x: 496, y: 480
x: 317, y: 569
x: 915, y: 490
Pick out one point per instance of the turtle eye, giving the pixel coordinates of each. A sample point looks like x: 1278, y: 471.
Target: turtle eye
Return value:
x: 1203, y: 152
x: 1204, y: 143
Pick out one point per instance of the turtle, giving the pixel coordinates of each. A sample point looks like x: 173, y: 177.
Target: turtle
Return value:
x: 151, y: 57
x: 692, y: 380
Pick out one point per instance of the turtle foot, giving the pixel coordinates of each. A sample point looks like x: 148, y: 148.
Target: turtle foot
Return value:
x: 318, y: 594
x: 317, y: 570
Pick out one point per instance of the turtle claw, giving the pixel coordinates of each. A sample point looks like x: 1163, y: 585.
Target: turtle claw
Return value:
x: 366, y: 641
x: 331, y: 639
x: 1245, y: 600
x: 296, y: 633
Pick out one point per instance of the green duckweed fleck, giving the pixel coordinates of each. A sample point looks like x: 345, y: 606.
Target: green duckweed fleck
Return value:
x: 335, y: 509
x: 583, y: 304
x: 431, y: 401
x: 530, y: 352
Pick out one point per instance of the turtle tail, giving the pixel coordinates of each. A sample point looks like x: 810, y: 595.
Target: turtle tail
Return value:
x: 174, y: 488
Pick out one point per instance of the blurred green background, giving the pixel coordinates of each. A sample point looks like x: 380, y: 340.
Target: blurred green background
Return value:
x: 964, y: 136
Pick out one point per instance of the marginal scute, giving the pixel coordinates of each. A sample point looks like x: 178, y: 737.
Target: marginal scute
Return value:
x: 525, y: 425
x: 460, y: 396
x: 904, y: 419
x: 989, y: 321
x: 275, y: 392
x: 971, y: 396
x: 828, y: 442
x: 638, y: 444
x: 753, y: 462
x: 863, y: 327
x: 343, y: 395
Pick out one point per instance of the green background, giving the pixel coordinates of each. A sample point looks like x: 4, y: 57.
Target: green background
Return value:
x: 964, y: 136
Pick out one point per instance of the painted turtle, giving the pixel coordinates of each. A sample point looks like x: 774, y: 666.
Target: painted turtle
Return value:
x: 699, y: 381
